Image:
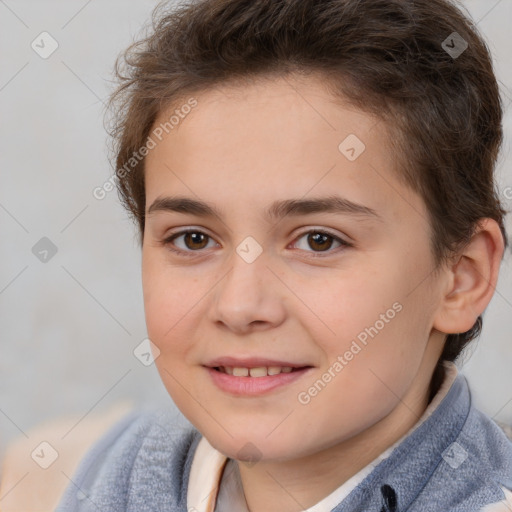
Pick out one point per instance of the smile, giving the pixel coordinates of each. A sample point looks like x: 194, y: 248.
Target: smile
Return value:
x: 243, y: 381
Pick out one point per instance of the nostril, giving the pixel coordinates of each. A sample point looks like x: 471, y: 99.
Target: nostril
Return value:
x: 389, y: 498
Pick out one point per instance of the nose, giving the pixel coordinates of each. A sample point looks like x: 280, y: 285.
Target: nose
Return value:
x: 249, y: 296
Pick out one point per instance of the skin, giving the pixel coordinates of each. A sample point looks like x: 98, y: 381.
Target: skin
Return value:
x: 241, y: 149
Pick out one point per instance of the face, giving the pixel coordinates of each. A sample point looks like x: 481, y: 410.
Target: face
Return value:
x: 305, y: 253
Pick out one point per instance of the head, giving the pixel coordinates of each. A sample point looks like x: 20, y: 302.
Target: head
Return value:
x: 240, y: 105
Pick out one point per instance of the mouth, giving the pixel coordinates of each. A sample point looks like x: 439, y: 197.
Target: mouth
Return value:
x: 257, y: 371
x: 254, y: 379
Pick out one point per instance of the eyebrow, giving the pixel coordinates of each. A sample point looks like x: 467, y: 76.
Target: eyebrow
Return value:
x: 276, y: 211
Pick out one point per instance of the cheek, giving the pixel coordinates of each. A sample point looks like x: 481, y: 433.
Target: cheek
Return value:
x: 168, y: 304
x: 371, y: 319
x: 346, y: 304
x: 168, y: 299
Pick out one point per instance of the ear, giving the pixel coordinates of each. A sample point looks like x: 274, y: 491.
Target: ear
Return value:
x: 472, y: 279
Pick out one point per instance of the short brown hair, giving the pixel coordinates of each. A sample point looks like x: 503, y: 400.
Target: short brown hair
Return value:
x: 387, y: 57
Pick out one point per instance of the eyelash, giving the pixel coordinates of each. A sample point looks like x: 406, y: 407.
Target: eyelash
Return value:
x: 315, y: 254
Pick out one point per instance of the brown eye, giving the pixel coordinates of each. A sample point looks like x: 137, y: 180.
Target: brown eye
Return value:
x: 320, y: 241
x: 192, y: 241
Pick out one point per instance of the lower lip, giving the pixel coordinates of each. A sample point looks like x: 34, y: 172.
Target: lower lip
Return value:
x: 254, y: 386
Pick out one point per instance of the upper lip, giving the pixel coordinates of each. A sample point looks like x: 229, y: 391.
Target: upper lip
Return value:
x: 251, y: 362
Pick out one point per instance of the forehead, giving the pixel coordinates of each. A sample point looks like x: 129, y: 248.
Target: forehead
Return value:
x: 260, y: 108
x: 283, y: 137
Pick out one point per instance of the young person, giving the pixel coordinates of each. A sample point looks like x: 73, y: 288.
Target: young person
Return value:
x: 321, y: 233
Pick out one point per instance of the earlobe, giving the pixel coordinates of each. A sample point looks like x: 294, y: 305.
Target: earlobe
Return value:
x: 473, y: 278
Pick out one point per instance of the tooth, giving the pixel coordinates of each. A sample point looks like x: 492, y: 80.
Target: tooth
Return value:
x: 228, y: 370
x: 286, y: 369
x: 240, y: 372
x: 274, y: 370
x: 260, y: 371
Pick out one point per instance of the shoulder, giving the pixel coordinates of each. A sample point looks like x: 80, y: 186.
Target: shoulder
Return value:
x: 474, y: 472
x: 483, y: 436
x: 143, y: 458
x: 489, y: 453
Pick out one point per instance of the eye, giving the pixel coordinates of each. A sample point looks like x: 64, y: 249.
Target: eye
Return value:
x: 193, y: 240
x: 321, y: 241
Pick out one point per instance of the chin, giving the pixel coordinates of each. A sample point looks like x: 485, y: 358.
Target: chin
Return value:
x: 252, y: 447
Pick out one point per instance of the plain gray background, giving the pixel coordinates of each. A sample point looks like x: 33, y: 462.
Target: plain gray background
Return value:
x: 69, y: 325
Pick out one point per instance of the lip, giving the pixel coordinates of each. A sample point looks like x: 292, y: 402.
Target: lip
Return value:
x: 253, y: 386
